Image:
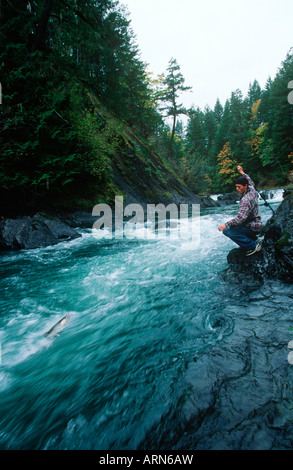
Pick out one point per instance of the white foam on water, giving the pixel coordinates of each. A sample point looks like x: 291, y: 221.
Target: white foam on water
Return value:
x: 272, y: 195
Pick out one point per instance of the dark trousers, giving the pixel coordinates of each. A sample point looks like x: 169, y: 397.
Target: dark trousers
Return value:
x: 243, y: 236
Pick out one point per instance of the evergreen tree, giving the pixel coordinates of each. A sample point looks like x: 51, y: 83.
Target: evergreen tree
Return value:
x: 218, y: 112
x: 174, y: 84
x: 55, y: 57
x: 210, y: 121
x: 256, y: 131
x: 221, y: 136
x: 198, y: 142
x: 264, y: 108
x: 254, y: 93
x: 196, y: 134
x: 281, y: 121
x: 237, y: 129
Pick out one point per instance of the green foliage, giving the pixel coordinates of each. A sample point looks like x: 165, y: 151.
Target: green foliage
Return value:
x: 284, y: 242
x: 173, y: 84
x: 55, y: 58
x: 228, y: 164
x: 258, y: 129
x: 281, y: 120
x: 74, y: 91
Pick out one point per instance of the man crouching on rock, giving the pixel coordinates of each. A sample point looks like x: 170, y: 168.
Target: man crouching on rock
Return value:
x: 244, y: 229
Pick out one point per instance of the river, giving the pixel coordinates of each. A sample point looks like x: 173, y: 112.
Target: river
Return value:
x: 159, y: 353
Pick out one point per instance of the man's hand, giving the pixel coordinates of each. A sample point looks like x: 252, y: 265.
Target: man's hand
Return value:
x: 240, y: 169
x: 222, y: 227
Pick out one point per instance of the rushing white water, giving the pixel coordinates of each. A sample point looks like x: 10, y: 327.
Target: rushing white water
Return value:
x: 275, y: 195
x: 142, y: 312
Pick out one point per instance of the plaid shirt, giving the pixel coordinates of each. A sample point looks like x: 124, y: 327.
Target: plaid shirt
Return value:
x: 248, y: 215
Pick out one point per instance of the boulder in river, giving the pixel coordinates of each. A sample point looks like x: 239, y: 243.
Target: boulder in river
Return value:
x: 229, y: 198
x: 34, y: 232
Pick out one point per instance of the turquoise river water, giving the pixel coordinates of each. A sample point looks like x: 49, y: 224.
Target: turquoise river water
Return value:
x: 153, y: 342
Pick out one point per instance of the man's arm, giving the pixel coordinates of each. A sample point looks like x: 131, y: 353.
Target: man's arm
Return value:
x: 241, y: 218
x: 242, y: 172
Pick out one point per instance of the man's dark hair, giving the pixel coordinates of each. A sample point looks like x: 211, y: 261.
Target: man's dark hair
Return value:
x: 242, y: 180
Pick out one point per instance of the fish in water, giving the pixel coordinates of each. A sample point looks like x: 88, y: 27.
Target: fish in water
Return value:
x: 290, y: 356
x: 58, y: 327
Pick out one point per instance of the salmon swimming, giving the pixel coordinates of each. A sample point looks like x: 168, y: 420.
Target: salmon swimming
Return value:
x: 58, y: 327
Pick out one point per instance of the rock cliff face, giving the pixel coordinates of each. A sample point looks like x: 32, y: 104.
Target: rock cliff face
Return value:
x: 275, y: 260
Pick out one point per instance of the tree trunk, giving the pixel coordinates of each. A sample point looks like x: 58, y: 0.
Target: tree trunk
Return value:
x: 172, y: 135
x: 40, y: 39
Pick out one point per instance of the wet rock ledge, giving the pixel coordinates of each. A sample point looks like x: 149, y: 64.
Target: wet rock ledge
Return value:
x: 275, y: 260
x: 38, y: 231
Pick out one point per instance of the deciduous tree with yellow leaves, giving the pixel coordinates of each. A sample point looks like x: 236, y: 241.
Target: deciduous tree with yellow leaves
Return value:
x: 228, y: 165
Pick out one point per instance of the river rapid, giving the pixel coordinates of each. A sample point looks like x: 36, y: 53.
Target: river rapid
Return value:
x: 159, y: 353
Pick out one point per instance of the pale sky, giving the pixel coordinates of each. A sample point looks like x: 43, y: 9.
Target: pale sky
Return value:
x: 220, y: 45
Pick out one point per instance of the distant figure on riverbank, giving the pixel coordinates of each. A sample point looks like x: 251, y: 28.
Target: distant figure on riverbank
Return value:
x: 245, y: 227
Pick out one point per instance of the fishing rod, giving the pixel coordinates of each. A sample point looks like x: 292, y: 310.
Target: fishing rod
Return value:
x: 266, y: 202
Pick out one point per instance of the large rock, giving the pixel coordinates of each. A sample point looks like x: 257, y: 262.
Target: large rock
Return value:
x: 207, y: 202
x: 34, y: 232
x: 58, y: 228
x: 275, y: 260
x: 228, y: 199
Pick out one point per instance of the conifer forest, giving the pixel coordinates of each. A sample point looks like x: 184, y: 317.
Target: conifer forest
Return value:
x: 76, y: 98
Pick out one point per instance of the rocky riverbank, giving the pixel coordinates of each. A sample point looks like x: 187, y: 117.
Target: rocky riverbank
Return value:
x: 45, y: 229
